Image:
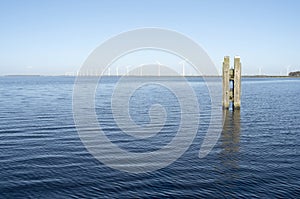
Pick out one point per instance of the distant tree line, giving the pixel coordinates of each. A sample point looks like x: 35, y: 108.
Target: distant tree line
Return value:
x: 295, y: 74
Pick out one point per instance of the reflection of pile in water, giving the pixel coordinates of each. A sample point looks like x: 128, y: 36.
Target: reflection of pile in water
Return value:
x: 230, y: 139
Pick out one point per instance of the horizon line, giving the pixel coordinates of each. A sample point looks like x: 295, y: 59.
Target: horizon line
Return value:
x: 40, y: 75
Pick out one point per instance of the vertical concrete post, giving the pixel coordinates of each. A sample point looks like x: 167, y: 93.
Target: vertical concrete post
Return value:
x: 226, y: 68
x: 237, y: 83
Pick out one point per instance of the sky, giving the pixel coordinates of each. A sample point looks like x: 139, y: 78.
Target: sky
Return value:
x: 55, y: 37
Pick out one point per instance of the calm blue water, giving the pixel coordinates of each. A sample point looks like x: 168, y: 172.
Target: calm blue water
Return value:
x: 41, y: 155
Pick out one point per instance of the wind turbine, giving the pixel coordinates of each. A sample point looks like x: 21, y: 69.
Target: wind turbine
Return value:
x: 158, y: 68
x: 127, y: 70
x: 183, y: 67
x: 288, y: 70
x: 259, y: 71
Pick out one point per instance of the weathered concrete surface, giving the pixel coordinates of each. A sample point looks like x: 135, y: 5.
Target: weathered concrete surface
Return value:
x: 226, y: 68
x: 232, y: 94
x: 237, y: 83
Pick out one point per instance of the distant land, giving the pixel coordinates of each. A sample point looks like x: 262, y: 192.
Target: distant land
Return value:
x: 294, y: 74
x: 22, y: 75
x: 291, y: 74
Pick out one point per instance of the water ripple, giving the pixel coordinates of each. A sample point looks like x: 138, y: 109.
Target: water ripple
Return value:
x: 41, y: 154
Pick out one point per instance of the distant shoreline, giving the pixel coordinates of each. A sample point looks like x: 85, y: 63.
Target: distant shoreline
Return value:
x: 244, y: 76
x: 22, y: 76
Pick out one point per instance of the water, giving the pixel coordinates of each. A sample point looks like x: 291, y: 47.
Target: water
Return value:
x: 41, y: 155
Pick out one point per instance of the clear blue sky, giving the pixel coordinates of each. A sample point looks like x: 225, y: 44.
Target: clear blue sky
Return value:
x: 56, y: 36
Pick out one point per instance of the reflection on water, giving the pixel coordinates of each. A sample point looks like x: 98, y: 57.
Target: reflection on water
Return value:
x: 230, y: 144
